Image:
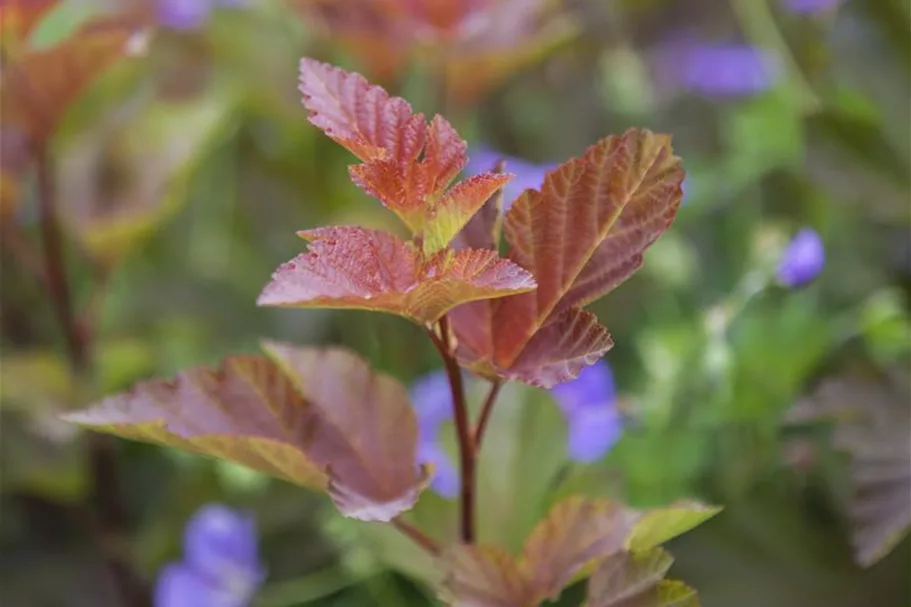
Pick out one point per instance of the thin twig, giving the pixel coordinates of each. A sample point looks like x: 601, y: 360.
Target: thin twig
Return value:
x: 23, y: 252
x: 463, y: 430
x: 108, y: 513
x: 419, y: 537
x: 486, y: 410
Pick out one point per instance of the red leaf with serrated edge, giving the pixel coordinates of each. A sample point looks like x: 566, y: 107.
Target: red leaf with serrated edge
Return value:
x: 361, y: 117
x: 349, y: 267
x: 407, y: 164
x: 582, y: 235
x: 317, y: 418
x: 459, y: 205
x: 483, y: 576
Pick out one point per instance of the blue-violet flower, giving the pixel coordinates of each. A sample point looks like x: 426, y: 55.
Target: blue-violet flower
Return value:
x: 802, y: 260
x: 589, y: 405
x: 221, y: 565
x: 719, y: 70
x: 189, y: 14
x: 527, y: 174
x: 433, y: 406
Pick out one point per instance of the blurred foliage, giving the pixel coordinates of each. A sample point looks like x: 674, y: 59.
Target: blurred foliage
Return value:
x: 184, y: 169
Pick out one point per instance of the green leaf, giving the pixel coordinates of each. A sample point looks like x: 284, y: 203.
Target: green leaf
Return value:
x: 657, y: 526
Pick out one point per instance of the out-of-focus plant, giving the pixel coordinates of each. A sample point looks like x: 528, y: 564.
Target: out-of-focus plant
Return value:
x: 322, y: 418
x: 472, y: 45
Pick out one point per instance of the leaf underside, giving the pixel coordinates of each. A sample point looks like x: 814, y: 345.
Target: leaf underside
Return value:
x: 319, y: 418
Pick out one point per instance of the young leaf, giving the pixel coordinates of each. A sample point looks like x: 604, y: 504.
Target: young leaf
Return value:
x: 581, y: 236
x: 484, y: 576
x: 575, y: 532
x: 659, y: 525
x: 623, y: 579
x: 483, y: 229
x: 349, y: 267
x: 406, y: 163
x: 635, y: 580
x: 317, y: 418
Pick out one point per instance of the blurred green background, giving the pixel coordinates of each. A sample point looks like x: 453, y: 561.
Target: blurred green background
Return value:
x: 184, y: 173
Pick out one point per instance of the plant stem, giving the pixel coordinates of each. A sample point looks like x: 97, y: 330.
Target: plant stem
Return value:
x: 419, y: 537
x: 107, y: 509
x: 486, y: 410
x: 463, y: 430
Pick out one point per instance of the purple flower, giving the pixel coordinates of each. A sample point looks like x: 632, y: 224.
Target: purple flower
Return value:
x: 527, y: 174
x: 719, y: 70
x: 802, y: 260
x: 221, y: 566
x: 808, y: 7
x: 189, y: 14
x: 589, y: 405
x: 433, y: 406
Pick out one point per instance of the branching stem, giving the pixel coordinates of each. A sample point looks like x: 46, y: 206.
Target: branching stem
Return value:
x: 419, y: 537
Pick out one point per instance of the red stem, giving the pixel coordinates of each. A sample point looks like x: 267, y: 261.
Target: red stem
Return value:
x: 486, y: 410
x: 463, y: 430
x: 418, y: 536
x: 108, y: 514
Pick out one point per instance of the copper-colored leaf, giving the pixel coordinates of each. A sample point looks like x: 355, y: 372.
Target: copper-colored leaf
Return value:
x: 317, y: 418
x: 406, y: 163
x: 369, y: 430
x: 348, y: 267
x: 582, y: 235
x: 574, y: 533
x: 484, y: 576
x: 626, y: 579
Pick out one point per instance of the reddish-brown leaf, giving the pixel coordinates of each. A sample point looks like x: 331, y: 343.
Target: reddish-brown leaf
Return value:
x: 484, y: 576
x: 582, y: 235
x: 317, y: 418
x: 575, y: 533
x: 368, y: 427
x: 407, y: 164
x: 637, y: 580
x: 348, y: 267
x: 361, y: 117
